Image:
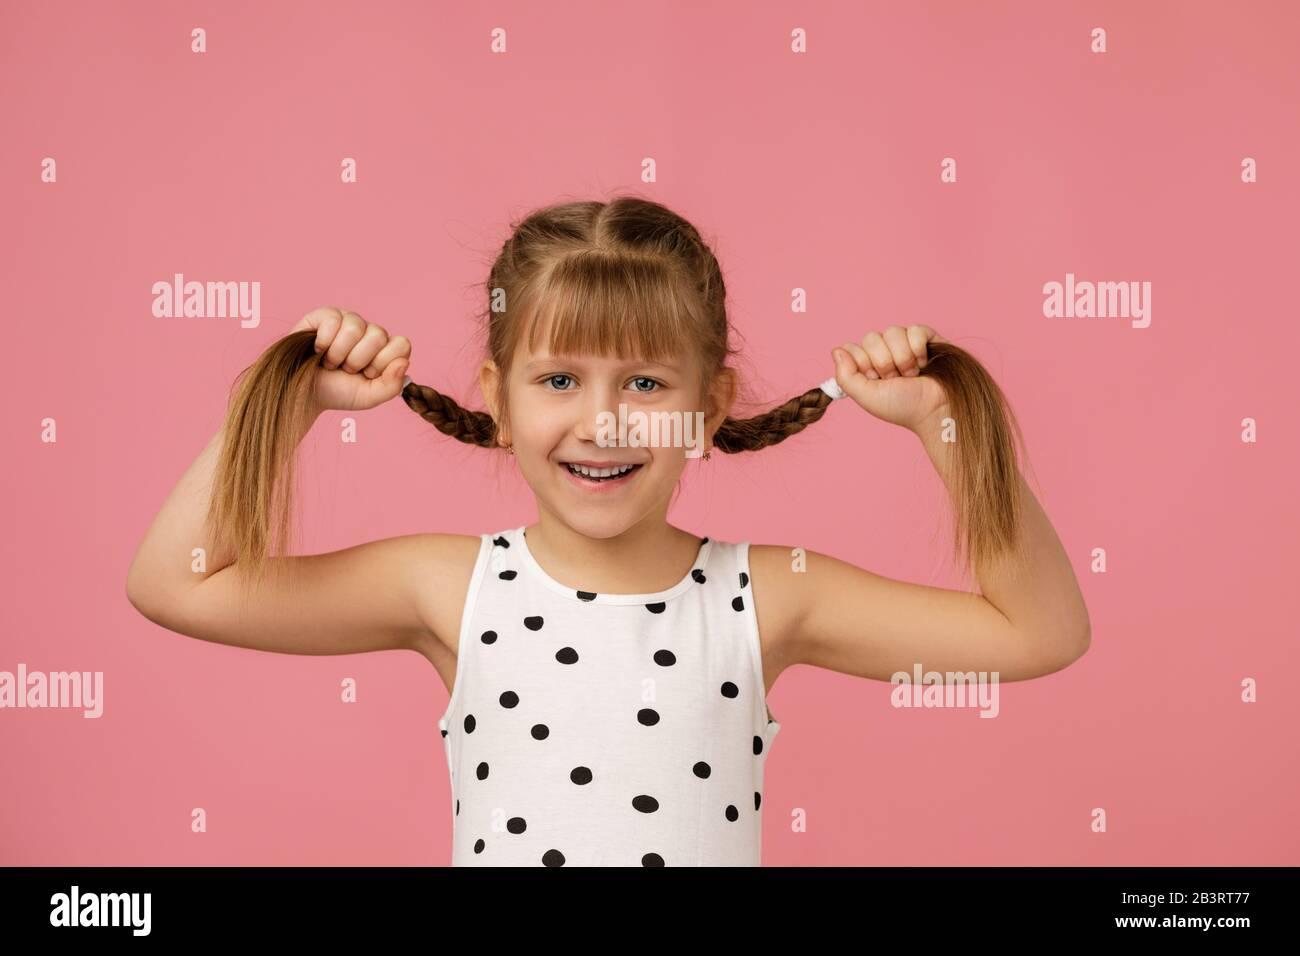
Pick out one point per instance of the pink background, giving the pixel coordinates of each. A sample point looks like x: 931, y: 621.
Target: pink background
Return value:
x: 818, y: 171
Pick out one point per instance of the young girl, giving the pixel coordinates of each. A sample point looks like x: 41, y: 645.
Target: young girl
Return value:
x: 608, y: 672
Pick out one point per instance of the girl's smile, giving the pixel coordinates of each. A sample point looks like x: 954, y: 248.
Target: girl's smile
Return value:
x: 613, y: 479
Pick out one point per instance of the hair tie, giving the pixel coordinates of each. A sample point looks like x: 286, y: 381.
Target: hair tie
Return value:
x: 832, y: 388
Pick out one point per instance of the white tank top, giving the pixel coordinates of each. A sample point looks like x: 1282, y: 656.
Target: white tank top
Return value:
x: 590, y: 729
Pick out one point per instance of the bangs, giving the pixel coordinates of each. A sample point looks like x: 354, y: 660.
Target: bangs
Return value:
x: 602, y: 304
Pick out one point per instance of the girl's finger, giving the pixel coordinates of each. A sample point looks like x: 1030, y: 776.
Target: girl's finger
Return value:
x: 849, y: 374
x: 917, y: 336
x: 364, y: 352
x: 397, y: 347
x: 350, y: 330
x: 326, y: 321
x: 881, y: 358
x: 901, y: 349
x: 380, y: 390
x: 395, y: 375
x: 861, y: 358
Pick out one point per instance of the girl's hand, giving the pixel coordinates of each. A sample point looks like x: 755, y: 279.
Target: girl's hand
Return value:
x: 883, y: 374
x: 361, y: 366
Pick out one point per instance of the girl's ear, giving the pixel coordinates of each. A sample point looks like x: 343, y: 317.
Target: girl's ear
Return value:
x: 718, y: 403
x: 489, y: 383
x: 722, y: 395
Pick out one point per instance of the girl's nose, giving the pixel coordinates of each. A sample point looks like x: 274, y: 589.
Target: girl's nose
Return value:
x: 597, y: 403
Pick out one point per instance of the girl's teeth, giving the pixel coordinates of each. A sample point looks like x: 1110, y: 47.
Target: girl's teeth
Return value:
x: 600, y: 472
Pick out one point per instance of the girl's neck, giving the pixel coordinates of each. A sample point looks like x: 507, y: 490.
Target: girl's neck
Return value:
x: 646, y: 558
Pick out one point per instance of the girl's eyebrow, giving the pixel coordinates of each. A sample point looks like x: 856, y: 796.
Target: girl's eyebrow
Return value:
x: 538, y: 363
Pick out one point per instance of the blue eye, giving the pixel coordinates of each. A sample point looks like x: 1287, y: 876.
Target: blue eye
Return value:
x: 644, y: 391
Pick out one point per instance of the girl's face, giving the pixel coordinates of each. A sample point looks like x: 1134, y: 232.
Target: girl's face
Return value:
x: 564, y: 412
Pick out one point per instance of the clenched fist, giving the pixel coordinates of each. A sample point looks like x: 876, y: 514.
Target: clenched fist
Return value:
x: 361, y: 364
x: 885, y: 374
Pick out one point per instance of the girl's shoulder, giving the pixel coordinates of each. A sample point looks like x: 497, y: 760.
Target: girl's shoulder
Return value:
x: 445, y: 566
x: 773, y: 571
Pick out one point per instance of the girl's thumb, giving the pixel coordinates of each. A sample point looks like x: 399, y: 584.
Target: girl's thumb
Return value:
x: 851, y: 378
x: 400, y: 377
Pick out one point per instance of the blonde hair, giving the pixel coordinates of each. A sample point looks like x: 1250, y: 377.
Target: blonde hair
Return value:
x: 628, y: 276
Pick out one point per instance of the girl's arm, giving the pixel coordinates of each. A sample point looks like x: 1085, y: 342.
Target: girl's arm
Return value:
x: 376, y: 596
x: 1030, y: 618
x: 395, y: 593
x: 1025, y: 624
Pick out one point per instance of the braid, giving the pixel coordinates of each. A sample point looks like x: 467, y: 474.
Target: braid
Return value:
x: 776, y: 425
x: 474, y: 428
x: 733, y: 435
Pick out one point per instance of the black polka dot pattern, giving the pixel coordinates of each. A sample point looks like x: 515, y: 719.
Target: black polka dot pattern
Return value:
x: 544, y: 747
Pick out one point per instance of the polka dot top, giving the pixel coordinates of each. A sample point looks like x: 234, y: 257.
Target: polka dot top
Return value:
x: 589, y: 729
